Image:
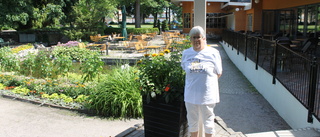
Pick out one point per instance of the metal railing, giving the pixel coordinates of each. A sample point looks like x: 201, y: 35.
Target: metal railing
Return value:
x: 298, y: 72
x: 246, y: 1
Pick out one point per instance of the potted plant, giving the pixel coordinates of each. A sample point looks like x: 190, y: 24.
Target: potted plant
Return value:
x: 162, y: 88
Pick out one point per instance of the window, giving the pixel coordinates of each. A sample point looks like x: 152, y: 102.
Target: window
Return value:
x: 216, y: 20
x: 186, y: 20
x: 312, y: 18
x: 286, y: 21
x: 249, y: 26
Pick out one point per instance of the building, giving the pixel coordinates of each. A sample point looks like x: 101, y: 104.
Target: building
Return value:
x: 291, y: 17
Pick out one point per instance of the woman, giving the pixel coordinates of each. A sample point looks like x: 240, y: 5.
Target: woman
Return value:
x: 203, y: 67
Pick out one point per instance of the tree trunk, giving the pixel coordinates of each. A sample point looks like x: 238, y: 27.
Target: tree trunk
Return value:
x: 169, y: 21
x: 137, y: 16
x: 166, y: 13
x: 155, y: 19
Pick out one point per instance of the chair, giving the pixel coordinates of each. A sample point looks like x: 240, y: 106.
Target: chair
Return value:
x: 277, y: 35
x: 104, y: 48
x: 308, y: 46
x: 285, y: 41
x: 95, y: 38
x: 168, y: 45
x: 139, y: 47
x: 82, y: 45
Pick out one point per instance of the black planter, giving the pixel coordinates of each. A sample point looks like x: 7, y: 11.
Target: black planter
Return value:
x: 164, y: 120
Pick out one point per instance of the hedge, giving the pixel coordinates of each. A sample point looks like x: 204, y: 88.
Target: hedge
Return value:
x: 135, y: 31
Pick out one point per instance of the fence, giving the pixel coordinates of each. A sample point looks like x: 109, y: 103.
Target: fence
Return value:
x: 297, y: 71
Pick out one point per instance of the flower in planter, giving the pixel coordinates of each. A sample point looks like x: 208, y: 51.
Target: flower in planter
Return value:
x: 161, y: 76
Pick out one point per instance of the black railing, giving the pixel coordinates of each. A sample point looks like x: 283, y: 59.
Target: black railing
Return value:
x: 298, y: 72
x: 246, y: 1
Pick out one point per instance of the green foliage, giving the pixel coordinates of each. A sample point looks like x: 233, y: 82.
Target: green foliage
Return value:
x: 15, y: 13
x: 44, y: 65
x: 73, y: 34
x: 28, y: 65
x: 162, y: 75
x: 91, y: 67
x: 132, y: 30
x: 91, y: 14
x: 21, y: 90
x: 73, y: 53
x: 9, y: 80
x: 49, y: 15
x: 63, y: 65
x: 164, y: 25
x: 8, y: 61
x: 118, y: 94
x: 2, y: 86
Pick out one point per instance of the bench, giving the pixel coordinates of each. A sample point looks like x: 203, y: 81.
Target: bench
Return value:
x: 3, y: 43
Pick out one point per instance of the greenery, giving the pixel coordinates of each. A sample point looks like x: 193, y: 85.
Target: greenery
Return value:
x: 118, y: 94
x: 80, y: 14
x: 162, y: 76
x: 54, y: 77
x: 165, y: 25
x: 136, y: 31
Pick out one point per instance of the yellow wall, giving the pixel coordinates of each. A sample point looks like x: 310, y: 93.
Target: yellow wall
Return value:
x: 281, y: 4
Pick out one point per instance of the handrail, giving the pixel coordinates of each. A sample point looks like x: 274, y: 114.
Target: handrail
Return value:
x: 296, y: 71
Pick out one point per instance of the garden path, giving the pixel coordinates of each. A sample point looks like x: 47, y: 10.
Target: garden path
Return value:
x: 21, y: 119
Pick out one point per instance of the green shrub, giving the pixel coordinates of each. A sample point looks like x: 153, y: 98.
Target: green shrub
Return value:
x: 136, y: 31
x: 8, y: 61
x: 118, y: 94
x: 43, y: 65
x: 164, y: 25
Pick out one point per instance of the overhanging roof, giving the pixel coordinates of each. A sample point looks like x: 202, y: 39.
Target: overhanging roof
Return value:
x: 246, y: 5
x: 178, y: 1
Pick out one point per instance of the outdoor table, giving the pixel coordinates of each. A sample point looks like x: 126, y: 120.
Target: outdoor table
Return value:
x: 175, y: 37
x: 153, y: 47
x: 118, y: 38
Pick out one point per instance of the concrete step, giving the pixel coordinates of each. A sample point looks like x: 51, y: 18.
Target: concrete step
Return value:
x: 303, y: 132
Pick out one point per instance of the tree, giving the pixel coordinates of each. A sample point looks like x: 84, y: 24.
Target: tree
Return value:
x: 91, y: 14
x: 26, y: 14
x: 15, y: 13
x: 137, y: 15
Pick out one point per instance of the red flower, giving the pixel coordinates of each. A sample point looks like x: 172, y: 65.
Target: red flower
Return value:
x: 167, y: 88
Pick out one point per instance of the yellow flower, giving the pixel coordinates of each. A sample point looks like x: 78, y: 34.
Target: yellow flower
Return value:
x: 161, y: 54
x: 138, y: 62
x: 154, y: 54
x: 166, y: 51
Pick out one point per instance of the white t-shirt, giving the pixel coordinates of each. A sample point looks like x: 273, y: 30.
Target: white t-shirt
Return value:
x: 201, y: 84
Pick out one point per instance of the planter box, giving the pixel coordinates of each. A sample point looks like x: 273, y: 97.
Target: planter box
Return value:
x: 164, y: 120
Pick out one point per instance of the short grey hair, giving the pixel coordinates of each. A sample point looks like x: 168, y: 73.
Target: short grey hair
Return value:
x: 196, y: 30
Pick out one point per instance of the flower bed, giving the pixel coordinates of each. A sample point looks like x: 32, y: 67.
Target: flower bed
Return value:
x: 52, y: 77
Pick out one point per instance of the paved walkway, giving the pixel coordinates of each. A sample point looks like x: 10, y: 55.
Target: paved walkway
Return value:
x: 241, y: 112
x: 242, y: 109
